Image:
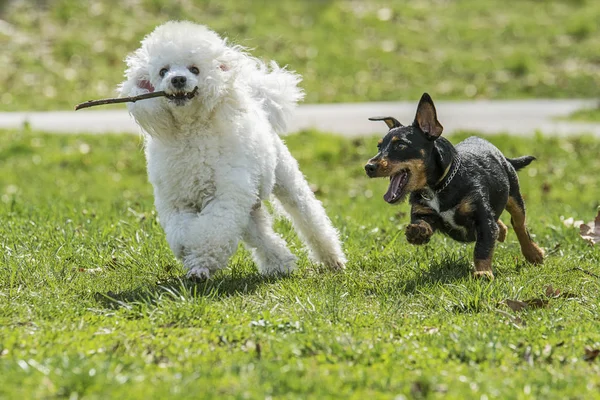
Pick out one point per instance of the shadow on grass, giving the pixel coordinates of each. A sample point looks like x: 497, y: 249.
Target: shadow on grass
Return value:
x: 184, y: 289
x: 447, y: 270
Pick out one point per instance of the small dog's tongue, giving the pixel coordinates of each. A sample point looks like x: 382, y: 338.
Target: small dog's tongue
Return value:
x: 390, y: 195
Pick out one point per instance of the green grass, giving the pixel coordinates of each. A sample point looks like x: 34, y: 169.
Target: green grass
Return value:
x: 58, y: 53
x: 93, y: 304
x: 586, y: 115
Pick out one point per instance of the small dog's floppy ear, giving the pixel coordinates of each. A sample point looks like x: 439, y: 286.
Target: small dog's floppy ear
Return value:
x: 391, y: 122
x: 426, y: 118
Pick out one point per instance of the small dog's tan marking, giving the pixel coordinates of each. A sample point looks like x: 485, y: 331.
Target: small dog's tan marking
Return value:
x: 466, y: 206
x: 380, y: 141
x: 446, y: 171
x: 395, y: 139
x: 422, y: 210
x: 422, y: 151
x: 483, y: 268
x: 417, y: 179
x: 502, y: 231
x: 532, y: 252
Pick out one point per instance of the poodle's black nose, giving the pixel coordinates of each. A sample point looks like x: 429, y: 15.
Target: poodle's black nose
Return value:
x: 178, y: 82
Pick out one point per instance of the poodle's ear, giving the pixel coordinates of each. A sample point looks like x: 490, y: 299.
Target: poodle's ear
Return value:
x: 137, y: 74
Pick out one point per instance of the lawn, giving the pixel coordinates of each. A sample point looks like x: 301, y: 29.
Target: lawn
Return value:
x: 58, y: 53
x: 94, y: 306
x: 587, y: 114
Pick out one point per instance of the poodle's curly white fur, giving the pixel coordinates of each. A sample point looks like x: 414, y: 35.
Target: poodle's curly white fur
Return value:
x: 213, y: 158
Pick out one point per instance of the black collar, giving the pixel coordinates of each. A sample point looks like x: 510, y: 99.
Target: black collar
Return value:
x: 443, y: 184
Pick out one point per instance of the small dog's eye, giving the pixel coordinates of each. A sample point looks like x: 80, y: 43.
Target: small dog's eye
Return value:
x: 194, y: 70
x: 163, y: 72
x: 400, y: 146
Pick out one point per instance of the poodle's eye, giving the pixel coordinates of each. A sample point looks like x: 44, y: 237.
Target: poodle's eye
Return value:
x: 194, y: 70
x: 163, y: 72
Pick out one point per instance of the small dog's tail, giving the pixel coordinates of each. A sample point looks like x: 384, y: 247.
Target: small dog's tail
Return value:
x: 520, y: 162
x: 306, y: 212
x: 277, y: 89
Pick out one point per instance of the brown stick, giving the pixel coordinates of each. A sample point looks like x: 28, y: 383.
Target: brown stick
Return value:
x: 132, y: 99
x: 93, y: 103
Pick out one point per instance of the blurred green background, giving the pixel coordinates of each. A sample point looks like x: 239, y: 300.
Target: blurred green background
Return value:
x: 58, y: 53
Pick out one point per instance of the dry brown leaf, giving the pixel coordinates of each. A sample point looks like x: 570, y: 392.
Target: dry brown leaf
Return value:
x: 590, y: 354
x: 551, y: 292
x: 536, y: 303
x: 517, y: 305
x: 556, y: 293
x: 590, y: 232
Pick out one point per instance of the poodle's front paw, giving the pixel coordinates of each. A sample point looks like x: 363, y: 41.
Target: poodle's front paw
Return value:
x: 198, y: 274
x: 337, y: 265
x: 282, y: 267
x: 419, y: 233
x: 198, y: 268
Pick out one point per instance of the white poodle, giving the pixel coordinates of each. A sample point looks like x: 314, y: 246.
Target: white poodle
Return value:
x: 214, y: 154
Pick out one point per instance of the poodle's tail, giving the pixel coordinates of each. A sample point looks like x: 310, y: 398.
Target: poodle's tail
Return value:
x: 306, y: 212
x: 277, y: 89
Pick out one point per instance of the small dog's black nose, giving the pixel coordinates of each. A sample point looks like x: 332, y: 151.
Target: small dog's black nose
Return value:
x: 178, y: 82
x: 370, y: 168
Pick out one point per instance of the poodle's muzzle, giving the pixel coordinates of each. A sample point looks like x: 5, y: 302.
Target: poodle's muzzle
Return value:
x: 180, y: 98
x: 179, y: 95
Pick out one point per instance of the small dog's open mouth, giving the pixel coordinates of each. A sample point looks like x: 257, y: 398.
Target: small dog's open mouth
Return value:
x: 181, y: 97
x: 397, y: 189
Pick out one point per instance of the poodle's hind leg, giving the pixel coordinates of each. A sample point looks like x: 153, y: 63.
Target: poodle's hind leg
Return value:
x: 306, y: 212
x: 269, y: 250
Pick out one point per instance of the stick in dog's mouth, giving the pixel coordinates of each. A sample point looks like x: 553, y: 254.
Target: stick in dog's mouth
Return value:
x: 133, y: 99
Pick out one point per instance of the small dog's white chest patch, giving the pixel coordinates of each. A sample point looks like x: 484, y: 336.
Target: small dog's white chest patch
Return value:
x: 433, y: 202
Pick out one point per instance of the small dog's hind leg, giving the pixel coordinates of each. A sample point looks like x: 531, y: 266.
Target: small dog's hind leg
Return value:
x: 516, y: 207
x: 306, y: 212
x: 268, y: 248
x: 502, y: 231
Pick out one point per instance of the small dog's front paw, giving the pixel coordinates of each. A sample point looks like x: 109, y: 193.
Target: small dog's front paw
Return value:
x: 483, y: 269
x: 489, y: 275
x: 419, y: 233
x: 198, y: 274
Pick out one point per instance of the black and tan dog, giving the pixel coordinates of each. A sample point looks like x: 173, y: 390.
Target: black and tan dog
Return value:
x: 460, y: 191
